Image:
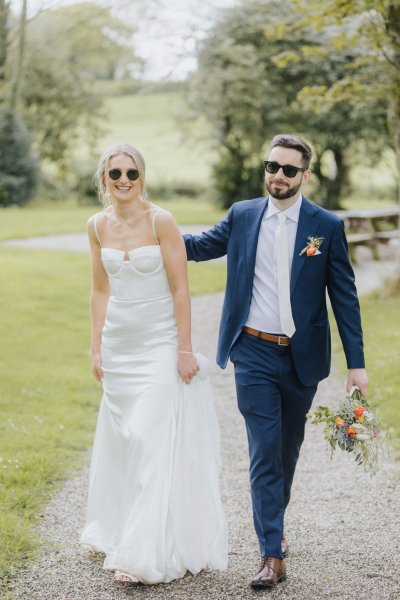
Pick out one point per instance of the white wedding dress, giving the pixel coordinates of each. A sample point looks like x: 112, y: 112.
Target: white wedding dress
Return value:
x: 154, y: 505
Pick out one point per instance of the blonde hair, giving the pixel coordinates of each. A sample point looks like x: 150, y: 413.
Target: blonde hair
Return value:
x: 99, y: 176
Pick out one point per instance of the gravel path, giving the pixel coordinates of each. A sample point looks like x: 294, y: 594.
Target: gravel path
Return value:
x: 342, y: 525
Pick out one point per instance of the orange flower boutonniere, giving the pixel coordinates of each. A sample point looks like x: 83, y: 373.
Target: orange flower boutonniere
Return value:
x: 313, y: 245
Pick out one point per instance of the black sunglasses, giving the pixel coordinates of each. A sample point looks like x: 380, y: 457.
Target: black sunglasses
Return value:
x: 115, y: 174
x: 288, y: 170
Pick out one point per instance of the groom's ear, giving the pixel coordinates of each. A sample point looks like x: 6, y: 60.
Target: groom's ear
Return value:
x: 306, y: 175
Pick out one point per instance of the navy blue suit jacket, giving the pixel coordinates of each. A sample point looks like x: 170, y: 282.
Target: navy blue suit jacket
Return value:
x: 237, y: 237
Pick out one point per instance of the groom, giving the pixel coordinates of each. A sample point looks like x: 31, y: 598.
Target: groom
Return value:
x: 283, y: 253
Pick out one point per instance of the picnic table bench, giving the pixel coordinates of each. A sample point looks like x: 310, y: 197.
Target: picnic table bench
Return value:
x: 370, y: 227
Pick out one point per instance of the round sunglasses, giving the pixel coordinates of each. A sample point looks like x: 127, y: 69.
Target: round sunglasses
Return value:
x: 132, y: 174
x: 288, y: 170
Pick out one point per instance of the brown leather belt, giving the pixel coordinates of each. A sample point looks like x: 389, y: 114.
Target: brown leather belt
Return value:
x: 281, y: 340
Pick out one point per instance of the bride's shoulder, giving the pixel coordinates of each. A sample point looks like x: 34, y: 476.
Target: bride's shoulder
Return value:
x: 159, y: 214
x: 163, y: 223
x: 96, y: 223
x: 100, y: 217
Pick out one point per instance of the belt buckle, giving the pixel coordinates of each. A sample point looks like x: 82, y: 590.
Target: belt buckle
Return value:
x: 280, y: 337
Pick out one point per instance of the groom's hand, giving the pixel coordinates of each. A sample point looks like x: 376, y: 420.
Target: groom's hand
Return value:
x: 359, y: 378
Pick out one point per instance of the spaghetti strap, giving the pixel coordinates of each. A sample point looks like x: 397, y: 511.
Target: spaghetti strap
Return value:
x: 95, y: 228
x: 154, y: 224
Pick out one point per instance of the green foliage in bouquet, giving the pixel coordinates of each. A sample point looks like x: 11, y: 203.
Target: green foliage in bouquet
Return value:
x: 353, y: 427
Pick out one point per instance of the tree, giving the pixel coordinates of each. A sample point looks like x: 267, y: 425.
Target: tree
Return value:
x: 67, y: 50
x: 58, y: 106
x: 3, y: 39
x: 88, y: 38
x: 18, y: 71
x: 336, y: 131
x: 250, y: 83
x: 223, y: 88
x: 18, y: 167
x: 374, y: 27
x: 231, y: 89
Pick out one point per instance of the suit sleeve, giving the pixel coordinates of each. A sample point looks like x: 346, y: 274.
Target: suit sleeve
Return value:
x: 210, y: 244
x: 344, y: 300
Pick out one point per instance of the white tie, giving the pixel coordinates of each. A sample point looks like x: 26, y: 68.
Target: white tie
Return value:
x: 282, y: 265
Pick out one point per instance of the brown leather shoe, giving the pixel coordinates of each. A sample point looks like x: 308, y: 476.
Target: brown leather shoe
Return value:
x: 285, y: 547
x: 272, y: 571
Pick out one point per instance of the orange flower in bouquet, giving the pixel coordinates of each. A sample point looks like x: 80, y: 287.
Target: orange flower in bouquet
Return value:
x: 353, y: 427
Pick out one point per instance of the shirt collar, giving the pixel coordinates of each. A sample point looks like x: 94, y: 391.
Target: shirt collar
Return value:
x: 292, y: 212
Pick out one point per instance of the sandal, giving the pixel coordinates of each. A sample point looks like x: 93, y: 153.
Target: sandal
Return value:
x: 122, y: 577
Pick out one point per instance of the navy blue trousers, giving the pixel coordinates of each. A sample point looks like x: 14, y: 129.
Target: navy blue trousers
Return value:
x: 274, y: 404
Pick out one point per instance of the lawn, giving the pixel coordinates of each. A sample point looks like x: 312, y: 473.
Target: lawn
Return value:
x: 382, y: 354
x: 175, y: 146
x: 67, y: 217
x: 48, y: 398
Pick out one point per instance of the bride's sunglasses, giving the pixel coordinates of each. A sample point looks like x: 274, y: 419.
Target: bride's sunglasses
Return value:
x: 132, y: 174
x: 288, y: 170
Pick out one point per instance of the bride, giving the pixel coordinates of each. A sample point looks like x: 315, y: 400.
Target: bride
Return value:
x: 154, y: 506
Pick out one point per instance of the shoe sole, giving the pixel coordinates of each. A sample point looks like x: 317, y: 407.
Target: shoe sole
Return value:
x: 262, y: 586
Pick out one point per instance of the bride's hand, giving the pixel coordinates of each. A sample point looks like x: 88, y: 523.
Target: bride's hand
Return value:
x: 96, y: 367
x: 187, y: 366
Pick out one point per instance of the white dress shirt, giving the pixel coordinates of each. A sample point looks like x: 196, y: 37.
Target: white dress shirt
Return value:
x: 264, y: 308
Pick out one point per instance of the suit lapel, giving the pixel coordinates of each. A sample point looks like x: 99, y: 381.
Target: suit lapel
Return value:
x: 253, y: 224
x: 307, y: 226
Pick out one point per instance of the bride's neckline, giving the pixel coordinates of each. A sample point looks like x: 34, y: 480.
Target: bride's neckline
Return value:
x: 132, y: 249
x: 128, y: 252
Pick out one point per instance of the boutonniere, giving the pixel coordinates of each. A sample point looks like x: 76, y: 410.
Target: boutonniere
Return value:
x: 313, y: 245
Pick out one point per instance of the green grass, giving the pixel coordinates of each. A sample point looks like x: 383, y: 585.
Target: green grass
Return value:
x: 382, y: 354
x: 176, y: 148
x: 67, y: 217
x: 48, y: 398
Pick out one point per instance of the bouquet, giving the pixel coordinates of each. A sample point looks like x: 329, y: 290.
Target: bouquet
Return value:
x: 353, y: 427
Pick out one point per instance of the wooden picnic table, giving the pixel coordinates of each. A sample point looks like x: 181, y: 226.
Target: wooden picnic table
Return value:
x: 370, y: 227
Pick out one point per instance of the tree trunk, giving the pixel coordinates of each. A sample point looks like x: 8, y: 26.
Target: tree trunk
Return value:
x: 393, y: 31
x: 331, y: 188
x: 15, y: 87
x: 4, y: 8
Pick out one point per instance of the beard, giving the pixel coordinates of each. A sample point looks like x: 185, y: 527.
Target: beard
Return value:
x: 282, y: 193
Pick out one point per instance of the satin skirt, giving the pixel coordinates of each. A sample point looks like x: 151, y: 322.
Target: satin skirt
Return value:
x: 154, y: 505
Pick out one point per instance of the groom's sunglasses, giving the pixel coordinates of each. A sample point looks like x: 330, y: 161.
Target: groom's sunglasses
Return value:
x: 131, y: 174
x: 288, y: 170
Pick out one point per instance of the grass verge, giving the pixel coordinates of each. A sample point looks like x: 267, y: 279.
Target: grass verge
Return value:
x: 48, y: 398
x: 176, y: 147
x: 382, y: 354
x: 67, y: 217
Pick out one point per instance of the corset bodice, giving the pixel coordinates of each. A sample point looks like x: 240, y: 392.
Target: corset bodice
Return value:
x: 142, y: 277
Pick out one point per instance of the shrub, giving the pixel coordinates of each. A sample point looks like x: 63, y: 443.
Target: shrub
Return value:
x: 18, y: 166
